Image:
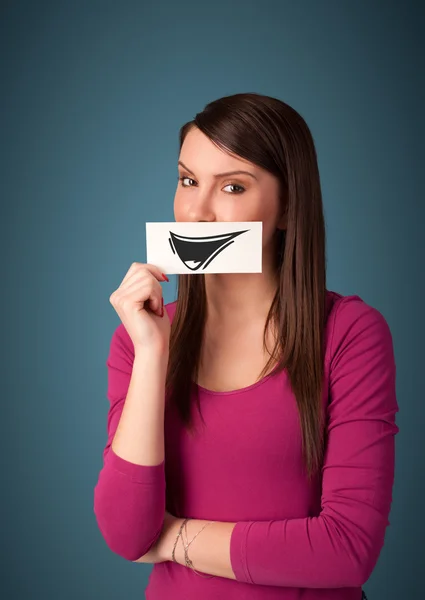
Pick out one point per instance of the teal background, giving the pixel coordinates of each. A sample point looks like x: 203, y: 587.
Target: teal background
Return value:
x: 93, y: 95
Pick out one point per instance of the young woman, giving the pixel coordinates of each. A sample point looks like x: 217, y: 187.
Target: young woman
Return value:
x: 251, y: 429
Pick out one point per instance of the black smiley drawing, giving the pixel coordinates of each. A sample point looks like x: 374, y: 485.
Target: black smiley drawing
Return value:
x: 197, y: 252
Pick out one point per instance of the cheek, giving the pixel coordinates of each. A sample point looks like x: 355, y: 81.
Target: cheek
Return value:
x: 268, y: 214
x: 258, y: 211
x: 240, y: 210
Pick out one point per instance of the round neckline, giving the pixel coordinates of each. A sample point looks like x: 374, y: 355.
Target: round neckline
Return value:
x: 239, y: 390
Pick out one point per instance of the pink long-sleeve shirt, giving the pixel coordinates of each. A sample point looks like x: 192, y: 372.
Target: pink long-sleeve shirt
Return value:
x: 293, y: 539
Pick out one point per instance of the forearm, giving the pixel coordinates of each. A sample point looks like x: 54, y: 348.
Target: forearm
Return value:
x: 209, y: 552
x: 139, y: 437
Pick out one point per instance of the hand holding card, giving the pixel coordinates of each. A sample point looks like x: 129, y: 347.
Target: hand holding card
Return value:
x: 197, y: 248
x: 138, y: 302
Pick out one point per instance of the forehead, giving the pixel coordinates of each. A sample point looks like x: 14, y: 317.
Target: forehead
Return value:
x: 198, y: 151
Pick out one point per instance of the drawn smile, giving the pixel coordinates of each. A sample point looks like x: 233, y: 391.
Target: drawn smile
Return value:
x: 197, y: 252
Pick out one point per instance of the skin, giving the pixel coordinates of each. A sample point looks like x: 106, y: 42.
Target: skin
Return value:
x: 237, y: 308
x: 237, y: 303
x: 205, y: 198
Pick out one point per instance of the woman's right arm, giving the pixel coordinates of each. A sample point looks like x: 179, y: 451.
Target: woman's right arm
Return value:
x: 129, y: 497
x: 139, y: 437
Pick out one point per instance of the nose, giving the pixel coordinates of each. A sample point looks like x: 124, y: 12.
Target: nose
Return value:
x: 199, y: 209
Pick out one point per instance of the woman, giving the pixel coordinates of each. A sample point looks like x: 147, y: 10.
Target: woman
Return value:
x: 284, y: 490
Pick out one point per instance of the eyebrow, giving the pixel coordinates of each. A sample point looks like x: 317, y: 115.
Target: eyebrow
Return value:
x: 217, y: 175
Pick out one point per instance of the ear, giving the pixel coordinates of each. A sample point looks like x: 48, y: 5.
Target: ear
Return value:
x: 283, y: 221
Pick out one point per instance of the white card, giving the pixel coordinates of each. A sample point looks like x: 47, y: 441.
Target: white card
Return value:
x: 218, y: 247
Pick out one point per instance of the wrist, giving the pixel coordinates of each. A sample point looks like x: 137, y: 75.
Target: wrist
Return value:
x: 170, y: 537
x: 157, y: 353
x: 152, y: 361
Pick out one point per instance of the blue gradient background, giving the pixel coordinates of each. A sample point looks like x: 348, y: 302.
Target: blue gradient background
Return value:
x: 93, y: 96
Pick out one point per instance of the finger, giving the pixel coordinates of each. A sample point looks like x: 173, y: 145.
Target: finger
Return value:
x: 133, y: 268
x: 149, y: 294
x: 136, y: 268
x: 156, y: 271
x: 142, y: 275
x: 144, y: 280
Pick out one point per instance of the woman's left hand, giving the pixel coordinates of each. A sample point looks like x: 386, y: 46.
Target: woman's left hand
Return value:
x: 160, y: 551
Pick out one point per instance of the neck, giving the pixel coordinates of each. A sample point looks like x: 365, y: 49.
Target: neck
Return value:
x: 235, y: 296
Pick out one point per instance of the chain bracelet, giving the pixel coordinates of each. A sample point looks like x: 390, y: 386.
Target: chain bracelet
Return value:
x: 188, y: 562
x: 175, y: 543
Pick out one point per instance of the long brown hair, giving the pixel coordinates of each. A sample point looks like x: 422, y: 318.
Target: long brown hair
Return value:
x: 272, y: 135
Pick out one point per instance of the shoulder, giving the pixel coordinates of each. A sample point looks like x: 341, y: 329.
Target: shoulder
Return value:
x: 352, y: 321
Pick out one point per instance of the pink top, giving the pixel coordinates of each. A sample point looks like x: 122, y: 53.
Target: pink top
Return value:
x: 293, y: 539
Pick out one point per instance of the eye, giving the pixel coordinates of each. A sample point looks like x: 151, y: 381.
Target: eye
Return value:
x: 240, y: 189
x: 235, y: 185
x: 183, y: 184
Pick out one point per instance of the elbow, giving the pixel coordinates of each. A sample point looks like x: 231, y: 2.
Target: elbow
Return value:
x: 358, y: 572
x: 348, y: 574
x: 128, y: 545
x: 357, y: 577
x: 129, y: 534
x: 365, y: 569
x: 133, y: 550
x: 356, y: 552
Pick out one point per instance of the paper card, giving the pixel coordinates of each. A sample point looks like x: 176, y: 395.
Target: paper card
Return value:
x: 218, y: 247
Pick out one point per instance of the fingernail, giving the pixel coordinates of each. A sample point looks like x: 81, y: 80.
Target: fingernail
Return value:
x: 165, y: 277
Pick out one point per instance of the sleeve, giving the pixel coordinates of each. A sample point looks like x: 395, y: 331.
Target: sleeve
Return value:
x: 129, y: 499
x: 340, y: 546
